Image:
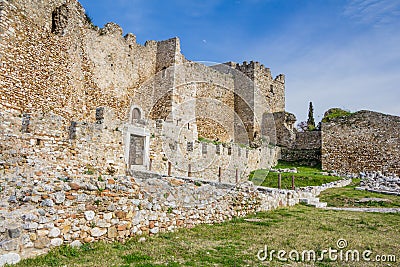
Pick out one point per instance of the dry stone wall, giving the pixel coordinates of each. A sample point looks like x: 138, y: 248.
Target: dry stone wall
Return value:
x: 39, y: 214
x: 364, y: 141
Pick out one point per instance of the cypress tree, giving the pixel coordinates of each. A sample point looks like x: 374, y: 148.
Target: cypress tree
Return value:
x: 310, y: 120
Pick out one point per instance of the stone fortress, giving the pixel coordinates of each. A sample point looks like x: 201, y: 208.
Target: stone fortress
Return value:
x: 85, y: 111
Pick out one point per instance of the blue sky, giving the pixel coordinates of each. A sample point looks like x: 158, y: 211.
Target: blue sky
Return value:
x: 336, y: 53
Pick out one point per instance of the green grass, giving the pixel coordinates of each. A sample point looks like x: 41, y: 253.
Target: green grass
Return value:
x: 348, y: 197
x: 237, y: 242
x: 306, y: 176
x: 205, y: 140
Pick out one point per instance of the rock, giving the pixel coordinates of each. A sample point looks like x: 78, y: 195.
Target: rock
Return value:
x: 55, y: 232
x: 107, y: 216
x: 111, y: 207
x: 142, y: 240
x: 9, y: 245
x: 32, y: 236
x: 28, y: 245
x: 88, y: 239
x: 41, y: 212
x: 10, y: 258
x: 155, y: 230
x: 103, y: 224
x: 112, y: 232
x: 176, y: 182
x: 42, y: 242
x: 187, y: 200
x: 14, y: 233
x: 82, y: 198
x: 74, y: 186
x: 56, y: 242
x: 12, y: 199
x: 101, y: 185
x: 66, y: 229
x: 30, y: 226
x: 151, y: 224
x: 25, y: 239
x: 59, y: 197
x: 364, y: 200
x: 76, y: 244
x: 89, y: 215
x: 47, y: 203
x: 42, y: 232
x: 91, y: 187
x: 120, y: 215
x: 96, y: 232
x: 153, y: 217
x: 121, y: 227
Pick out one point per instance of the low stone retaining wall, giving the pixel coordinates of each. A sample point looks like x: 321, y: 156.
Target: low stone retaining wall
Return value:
x: 40, y: 214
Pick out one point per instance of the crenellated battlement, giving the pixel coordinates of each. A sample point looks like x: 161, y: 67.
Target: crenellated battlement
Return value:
x: 251, y: 69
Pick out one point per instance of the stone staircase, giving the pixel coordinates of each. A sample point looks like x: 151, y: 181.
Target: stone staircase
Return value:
x: 313, y: 201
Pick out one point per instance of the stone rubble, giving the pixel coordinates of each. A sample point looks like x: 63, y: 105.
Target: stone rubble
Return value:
x: 380, y: 183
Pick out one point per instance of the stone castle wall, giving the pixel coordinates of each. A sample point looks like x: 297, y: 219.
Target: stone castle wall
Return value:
x: 72, y: 70
x: 364, y: 141
x: 36, y: 145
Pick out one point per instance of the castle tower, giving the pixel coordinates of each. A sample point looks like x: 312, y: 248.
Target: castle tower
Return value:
x: 256, y: 94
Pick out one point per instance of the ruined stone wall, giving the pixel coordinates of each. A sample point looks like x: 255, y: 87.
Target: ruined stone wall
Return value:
x: 285, y: 132
x: 364, y: 141
x: 300, y: 147
x: 255, y: 96
x: 310, y: 157
x: 308, y: 140
x: 306, y: 148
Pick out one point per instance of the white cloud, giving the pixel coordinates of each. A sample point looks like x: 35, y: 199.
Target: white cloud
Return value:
x: 376, y: 12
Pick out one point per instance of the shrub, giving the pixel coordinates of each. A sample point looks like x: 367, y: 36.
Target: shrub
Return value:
x: 334, y: 113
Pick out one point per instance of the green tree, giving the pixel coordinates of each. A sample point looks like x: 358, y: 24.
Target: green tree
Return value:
x: 310, y: 120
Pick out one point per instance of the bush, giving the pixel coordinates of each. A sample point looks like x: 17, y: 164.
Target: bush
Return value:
x: 334, y: 113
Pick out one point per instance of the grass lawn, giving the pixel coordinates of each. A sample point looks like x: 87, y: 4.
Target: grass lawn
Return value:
x: 348, y: 197
x: 237, y: 242
x: 306, y: 176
